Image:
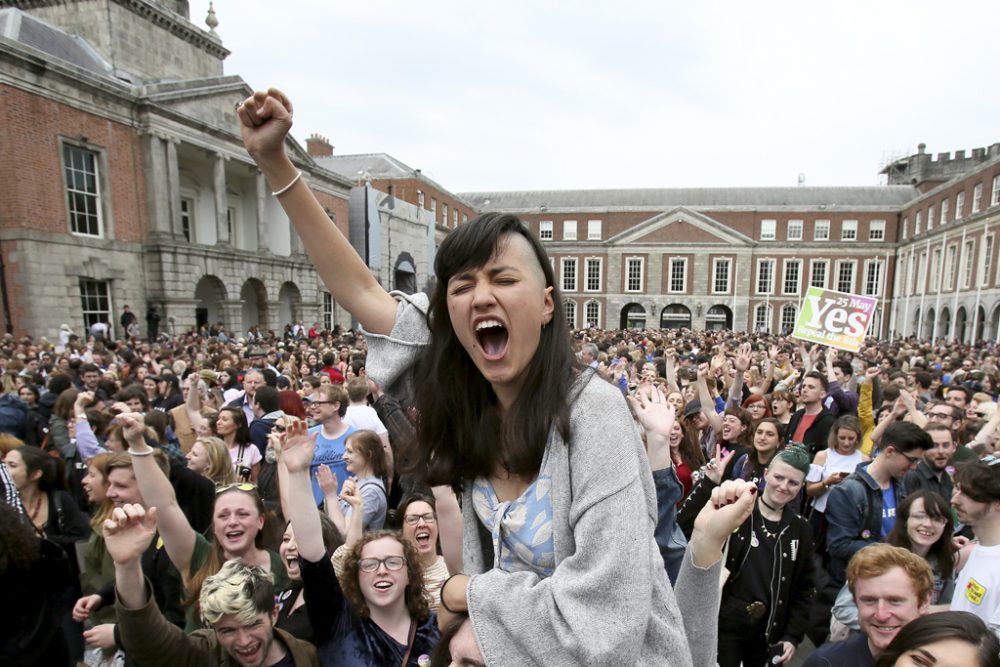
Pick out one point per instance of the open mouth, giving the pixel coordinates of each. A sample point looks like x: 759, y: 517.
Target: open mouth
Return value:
x: 234, y: 534
x: 492, y: 338
x: 249, y: 654
x: 423, y: 538
x: 382, y: 585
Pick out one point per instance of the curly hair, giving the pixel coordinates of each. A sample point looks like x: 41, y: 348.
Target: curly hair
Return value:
x: 416, y: 603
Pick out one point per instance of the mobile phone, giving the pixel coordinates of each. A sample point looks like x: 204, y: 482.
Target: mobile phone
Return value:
x: 775, y: 651
x: 842, y: 475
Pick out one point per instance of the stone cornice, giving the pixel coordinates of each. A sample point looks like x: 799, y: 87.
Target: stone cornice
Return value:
x: 160, y: 16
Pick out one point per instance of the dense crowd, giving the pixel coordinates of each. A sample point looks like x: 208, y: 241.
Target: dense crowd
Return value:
x: 467, y: 482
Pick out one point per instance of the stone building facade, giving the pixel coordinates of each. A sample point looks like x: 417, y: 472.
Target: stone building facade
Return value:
x: 126, y: 182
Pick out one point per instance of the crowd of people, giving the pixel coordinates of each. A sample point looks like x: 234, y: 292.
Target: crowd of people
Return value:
x: 465, y: 481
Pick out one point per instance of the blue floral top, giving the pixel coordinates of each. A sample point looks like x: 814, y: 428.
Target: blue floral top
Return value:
x: 522, y: 528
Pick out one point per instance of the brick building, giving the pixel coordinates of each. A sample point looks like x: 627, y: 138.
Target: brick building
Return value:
x: 742, y: 258
x: 126, y: 182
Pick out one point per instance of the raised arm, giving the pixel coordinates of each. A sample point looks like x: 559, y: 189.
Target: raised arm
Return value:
x: 328, y: 483
x: 355, y: 525
x: 178, y: 536
x: 193, y: 403
x: 707, y: 404
x: 296, y: 456
x: 449, y: 516
x: 265, y: 119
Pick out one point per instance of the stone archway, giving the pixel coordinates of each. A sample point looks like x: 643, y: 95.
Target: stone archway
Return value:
x: 633, y: 317
x: 675, y: 316
x: 929, y: 323
x: 289, y: 304
x: 253, y: 297
x: 961, y: 319
x: 210, y: 293
x: 944, y: 326
x: 718, y: 317
x: 404, y: 277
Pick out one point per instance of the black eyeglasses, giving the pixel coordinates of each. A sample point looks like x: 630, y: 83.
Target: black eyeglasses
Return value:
x: 278, y: 428
x: 321, y: 402
x: 912, y: 459
x: 392, y: 563
x: 414, y: 519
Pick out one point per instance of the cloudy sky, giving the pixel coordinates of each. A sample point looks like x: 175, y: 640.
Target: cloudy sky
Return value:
x: 547, y: 95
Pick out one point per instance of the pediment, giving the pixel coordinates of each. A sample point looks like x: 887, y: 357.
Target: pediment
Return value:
x: 210, y: 102
x: 681, y: 226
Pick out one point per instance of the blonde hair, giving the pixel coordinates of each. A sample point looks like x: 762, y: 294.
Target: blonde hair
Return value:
x: 220, y: 463
x: 238, y: 590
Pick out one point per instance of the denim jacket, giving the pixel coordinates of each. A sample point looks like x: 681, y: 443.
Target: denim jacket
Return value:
x: 854, y: 518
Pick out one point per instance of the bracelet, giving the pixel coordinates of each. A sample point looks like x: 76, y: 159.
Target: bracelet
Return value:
x: 132, y: 452
x: 278, y: 193
x: 443, y: 586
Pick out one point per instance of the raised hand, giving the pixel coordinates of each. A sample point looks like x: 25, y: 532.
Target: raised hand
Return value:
x: 298, y: 448
x: 871, y: 373
x: 326, y: 480
x: 716, y: 466
x: 350, y: 494
x: 265, y: 120
x: 730, y: 505
x: 653, y: 412
x: 742, y: 361
x: 133, y: 427
x: 128, y: 531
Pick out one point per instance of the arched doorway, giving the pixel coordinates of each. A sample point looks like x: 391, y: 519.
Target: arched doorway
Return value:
x: 718, y: 317
x: 253, y: 296
x: 980, y: 333
x: 405, y: 274
x: 210, y: 292
x: 675, y: 316
x: 633, y: 317
x: 289, y: 299
x: 995, y: 323
x: 929, y: 323
x: 960, y: 322
x: 944, y: 327
x: 916, y: 323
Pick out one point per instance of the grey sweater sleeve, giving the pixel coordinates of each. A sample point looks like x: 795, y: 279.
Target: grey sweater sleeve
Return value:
x: 698, y: 597
x: 391, y: 357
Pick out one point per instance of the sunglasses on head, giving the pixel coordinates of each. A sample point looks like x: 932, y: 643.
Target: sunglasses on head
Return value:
x: 239, y: 486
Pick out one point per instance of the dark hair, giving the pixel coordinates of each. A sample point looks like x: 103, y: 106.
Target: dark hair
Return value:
x: 242, y: 436
x: 33, y: 389
x: 461, y: 434
x: 59, y: 383
x: 267, y: 398
x: 816, y: 375
x: 906, y: 437
x: 404, y: 504
x: 416, y: 603
x: 935, y: 507
x: 270, y: 377
x: 745, y: 438
x: 35, y: 459
x: 689, y: 448
x: 962, y: 388
x: 979, y: 481
x: 753, y: 465
x: 930, y: 628
x: 134, y: 391
x: 19, y: 547
x: 441, y: 655
x: 844, y: 366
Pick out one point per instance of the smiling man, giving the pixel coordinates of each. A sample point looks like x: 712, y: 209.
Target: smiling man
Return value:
x: 237, y: 602
x: 931, y: 473
x: 977, y: 503
x: 891, y: 587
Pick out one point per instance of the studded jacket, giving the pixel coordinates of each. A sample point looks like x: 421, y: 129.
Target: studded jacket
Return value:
x: 792, y: 587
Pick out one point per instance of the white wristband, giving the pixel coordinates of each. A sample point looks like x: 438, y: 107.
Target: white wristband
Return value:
x: 278, y: 193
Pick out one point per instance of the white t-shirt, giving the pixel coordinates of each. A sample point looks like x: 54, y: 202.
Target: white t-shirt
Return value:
x: 364, y: 418
x: 977, y: 589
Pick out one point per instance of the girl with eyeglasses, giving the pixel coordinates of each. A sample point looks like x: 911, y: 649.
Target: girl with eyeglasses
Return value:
x: 376, y: 613
x: 237, y: 523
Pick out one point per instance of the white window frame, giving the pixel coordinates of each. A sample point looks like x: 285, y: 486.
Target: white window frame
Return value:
x: 564, y: 265
x: 587, y: 263
x: 586, y: 313
x: 683, y: 261
x: 985, y: 259
x: 906, y: 228
x: 919, y: 226
x: 876, y: 230
x: 821, y: 230
x: 968, y: 252
x: 329, y: 307
x: 421, y: 199
x: 977, y: 197
x: 593, y: 230
x: 639, y: 262
x: 233, y: 223
x: 763, y: 323
x: 569, y: 306
x: 794, y: 232
x: 849, y: 230
x: 825, y: 263
x: 444, y: 213
x: 959, y: 205
x: 930, y: 217
x: 569, y: 230
x: 995, y: 195
x: 465, y: 218
x: 716, y: 263
x: 935, y: 268
x: 879, y: 277
x: 853, y: 263
x: 186, y: 212
x: 786, y: 265
x: 769, y: 289
x: 787, y: 323
x: 94, y: 199
x: 545, y: 232
x: 943, y: 220
x: 434, y: 208
x: 768, y: 230
x: 454, y: 216
x: 91, y: 291
x: 950, y: 264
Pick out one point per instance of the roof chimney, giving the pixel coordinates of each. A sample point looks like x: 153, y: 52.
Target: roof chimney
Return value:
x: 319, y: 146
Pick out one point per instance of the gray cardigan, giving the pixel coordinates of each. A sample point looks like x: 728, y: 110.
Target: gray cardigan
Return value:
x: 609, y: 601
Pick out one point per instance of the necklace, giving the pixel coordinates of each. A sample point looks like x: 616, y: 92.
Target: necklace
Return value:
x: 769, y: 506
x: 768, y: 534
x: 38, y: 508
